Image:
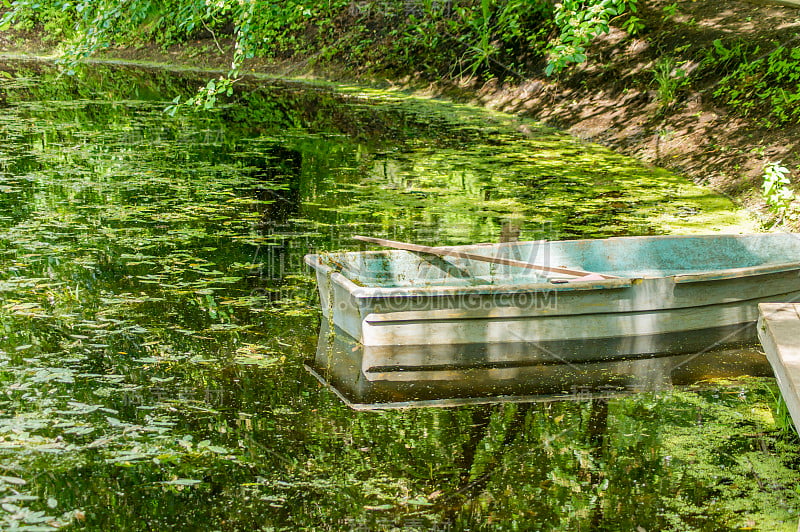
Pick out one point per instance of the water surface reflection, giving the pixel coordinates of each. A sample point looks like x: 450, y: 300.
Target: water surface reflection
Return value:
x: 339, y: 365
x: 155, y: 315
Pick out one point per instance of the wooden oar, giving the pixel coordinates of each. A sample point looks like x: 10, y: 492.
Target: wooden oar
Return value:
x: 588, y: 276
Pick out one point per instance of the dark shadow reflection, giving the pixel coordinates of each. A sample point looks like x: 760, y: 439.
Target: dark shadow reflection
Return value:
x: 338, y: 364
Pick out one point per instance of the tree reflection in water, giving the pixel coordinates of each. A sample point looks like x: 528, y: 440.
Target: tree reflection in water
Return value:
x: 152, y: 363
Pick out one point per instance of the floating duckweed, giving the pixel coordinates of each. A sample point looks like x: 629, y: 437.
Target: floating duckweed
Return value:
x: 155, y: 313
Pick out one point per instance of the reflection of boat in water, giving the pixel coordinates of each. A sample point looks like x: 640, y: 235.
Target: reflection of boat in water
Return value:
x: 339, y: 364
x: 671, y: 294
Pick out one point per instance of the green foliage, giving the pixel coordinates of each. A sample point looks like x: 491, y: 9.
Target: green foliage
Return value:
x: 482, y: 50
x: 669, y: 79
x: 776, y: 191
x: 503, y: 30
x: 268, y: 28
x: 486, y: 38
x: 25, y: 15
x: 479, y: 37
x: 670, y: 10
x: 579, y: 22
x: 89, y: 26
x: 783, y: 418
x: 753, y: 80
x: 633, y: 25
x: 724, y: 59
x: 206, y: 97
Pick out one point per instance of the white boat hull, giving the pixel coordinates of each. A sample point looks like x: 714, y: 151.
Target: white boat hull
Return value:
x: 680, y: 313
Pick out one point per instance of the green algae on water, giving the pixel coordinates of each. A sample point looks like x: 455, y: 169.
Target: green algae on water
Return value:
x: 155, y: 315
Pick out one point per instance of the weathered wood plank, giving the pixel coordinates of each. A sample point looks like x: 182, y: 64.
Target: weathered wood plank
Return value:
x: 779, y: 332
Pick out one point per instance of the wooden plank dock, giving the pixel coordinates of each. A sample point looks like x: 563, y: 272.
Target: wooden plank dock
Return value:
x: 779, y: 332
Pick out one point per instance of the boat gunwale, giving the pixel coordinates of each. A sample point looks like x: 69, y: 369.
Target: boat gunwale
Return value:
x: 736, y: 273
x: 372, y: 292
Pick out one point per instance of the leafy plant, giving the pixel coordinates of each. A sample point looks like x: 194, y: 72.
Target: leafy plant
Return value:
x: 206, y: 97
x: 501, y: 31
x: 781, y: 414
x: 752, y: 80
x: 482, y: 50
x: 670, y: 10
x: 722, y: 56
x: 633, y: 25
x: 776, y: 191
x: 579, y: 23
x: 669, y: 79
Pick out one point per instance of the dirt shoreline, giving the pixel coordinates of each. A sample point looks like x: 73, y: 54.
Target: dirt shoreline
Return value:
x: 610, y: 99
x: 694, y: 137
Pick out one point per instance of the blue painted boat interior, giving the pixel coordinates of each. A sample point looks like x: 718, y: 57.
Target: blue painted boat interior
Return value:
x: 631, y: 257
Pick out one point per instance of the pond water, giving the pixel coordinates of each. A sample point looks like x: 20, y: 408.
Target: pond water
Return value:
x: 157, y: 318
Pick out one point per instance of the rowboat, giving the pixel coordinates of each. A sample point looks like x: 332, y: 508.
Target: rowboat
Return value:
x: 645, y: 295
